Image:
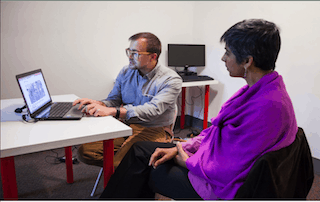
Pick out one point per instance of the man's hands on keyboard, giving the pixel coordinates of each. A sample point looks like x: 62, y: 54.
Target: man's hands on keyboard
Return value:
x: 99, y: 110
x: 86, y: 101
x: 94, y: 108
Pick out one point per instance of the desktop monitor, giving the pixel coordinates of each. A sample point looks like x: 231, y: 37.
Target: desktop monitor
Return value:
x: 186, y: 55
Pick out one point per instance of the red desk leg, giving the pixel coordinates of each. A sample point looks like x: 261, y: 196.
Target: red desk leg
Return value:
x: 206, y: 107
x: 68, y: 154
x: 107, y: 160
x: 183, y: 104
x: 8, y: 175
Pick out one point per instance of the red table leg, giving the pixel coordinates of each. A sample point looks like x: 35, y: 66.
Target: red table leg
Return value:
x: 8, y: 176
x: 68, y: 154
x: 183, y: 104
x: 206, y: 107
x: 107, y: 160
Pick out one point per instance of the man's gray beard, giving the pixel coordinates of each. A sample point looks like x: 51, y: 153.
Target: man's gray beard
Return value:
x: 132, y: 66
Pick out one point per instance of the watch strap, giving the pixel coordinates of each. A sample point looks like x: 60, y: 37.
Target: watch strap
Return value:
x: 118, y: 112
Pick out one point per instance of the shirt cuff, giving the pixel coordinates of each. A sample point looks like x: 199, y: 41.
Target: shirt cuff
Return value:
x: 130, y: 111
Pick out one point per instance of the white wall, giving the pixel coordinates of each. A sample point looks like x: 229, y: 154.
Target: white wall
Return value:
x: 80, y: 46
x: 298, y: 61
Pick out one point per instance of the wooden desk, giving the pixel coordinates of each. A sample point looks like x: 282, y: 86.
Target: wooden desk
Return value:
x: 19, y: 138
x: 206, y: 99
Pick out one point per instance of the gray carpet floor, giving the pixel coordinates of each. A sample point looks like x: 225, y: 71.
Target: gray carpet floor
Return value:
x: 41, y: 176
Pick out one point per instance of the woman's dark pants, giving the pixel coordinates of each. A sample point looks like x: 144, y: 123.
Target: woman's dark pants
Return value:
x: 134, y: 179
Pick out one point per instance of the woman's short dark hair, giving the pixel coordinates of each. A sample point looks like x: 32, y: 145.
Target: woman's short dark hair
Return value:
x: 154, y: 44
x: 257, y: 38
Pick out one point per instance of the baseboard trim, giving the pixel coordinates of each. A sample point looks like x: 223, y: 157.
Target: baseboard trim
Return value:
x: 194, y: 122
x: 191, y: 121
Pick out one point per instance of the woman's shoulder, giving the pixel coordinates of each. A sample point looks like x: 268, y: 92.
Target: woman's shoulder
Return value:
x: 274, y: 101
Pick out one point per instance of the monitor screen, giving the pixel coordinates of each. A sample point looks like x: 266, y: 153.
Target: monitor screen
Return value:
x: 186, y: 55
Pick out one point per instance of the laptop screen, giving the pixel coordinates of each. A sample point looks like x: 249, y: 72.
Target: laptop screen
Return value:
x: 34, y: 90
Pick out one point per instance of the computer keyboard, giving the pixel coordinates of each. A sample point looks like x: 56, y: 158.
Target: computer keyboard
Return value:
x: 60, y: 109
x: 189, y: 78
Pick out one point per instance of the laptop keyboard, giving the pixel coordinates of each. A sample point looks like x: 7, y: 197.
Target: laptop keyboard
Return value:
x: 60, y: 109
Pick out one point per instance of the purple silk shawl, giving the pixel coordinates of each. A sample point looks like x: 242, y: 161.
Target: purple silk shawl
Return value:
x: 252, y: 122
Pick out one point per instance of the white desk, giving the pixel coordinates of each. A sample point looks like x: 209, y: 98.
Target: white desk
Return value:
x: 19, y: 138
x: 206, y: 99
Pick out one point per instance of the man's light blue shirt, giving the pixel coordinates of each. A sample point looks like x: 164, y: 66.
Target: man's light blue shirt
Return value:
x: 150, y: 99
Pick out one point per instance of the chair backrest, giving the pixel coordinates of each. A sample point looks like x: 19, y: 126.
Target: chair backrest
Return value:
x: 286, y: 173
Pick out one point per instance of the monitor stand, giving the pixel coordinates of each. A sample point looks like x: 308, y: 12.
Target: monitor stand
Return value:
x: 186, y: 72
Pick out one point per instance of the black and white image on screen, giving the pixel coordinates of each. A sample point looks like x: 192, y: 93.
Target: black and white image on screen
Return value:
x: 35, y: 91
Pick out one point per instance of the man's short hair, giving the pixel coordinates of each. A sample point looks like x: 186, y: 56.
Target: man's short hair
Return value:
x: 257, y: 38
x: 154, y: 44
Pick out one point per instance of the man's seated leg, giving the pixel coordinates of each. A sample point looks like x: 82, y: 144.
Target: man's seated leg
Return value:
x: 92, y: 153
x: 140, y: 133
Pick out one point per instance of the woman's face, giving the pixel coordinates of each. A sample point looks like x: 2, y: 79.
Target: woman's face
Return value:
x: 235, y: 69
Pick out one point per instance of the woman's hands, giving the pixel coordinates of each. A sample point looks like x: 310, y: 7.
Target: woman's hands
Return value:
x: 182, y: 156
x: 161, y: 155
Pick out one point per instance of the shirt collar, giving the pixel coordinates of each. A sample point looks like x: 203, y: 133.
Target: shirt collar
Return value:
x: 153, y: 72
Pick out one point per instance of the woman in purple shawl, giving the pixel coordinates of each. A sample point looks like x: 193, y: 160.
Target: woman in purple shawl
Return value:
x: 257, y: 119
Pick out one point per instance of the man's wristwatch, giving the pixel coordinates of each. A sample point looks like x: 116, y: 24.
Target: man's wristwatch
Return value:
x: 118, y: 112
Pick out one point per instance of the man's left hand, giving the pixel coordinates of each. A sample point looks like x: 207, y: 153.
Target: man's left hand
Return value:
x: 99, y: 110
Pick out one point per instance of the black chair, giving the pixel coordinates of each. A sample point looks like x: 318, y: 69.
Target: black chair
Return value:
x: 286, y: 173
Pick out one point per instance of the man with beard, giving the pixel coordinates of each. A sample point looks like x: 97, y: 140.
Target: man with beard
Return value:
x: 144, y: 96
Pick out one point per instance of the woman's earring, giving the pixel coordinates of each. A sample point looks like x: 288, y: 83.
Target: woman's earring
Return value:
x: 245, y: 72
